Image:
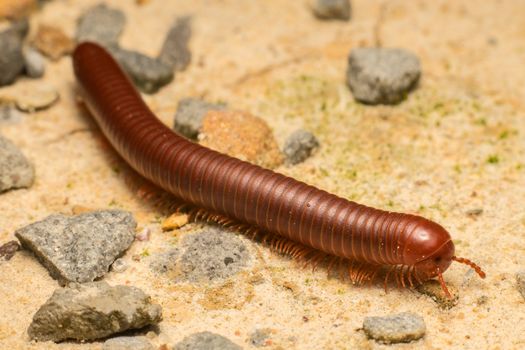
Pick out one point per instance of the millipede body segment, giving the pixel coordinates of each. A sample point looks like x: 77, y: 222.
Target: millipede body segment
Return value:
x: 303, y: 220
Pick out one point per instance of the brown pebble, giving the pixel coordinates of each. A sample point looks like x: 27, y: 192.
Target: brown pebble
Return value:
x: 79, y: 209
x: 52, y: 42
x: 432, y: 288
x: 241, y: 135
x: 16, y: 9
x: 8, y: 250
x: 174, y: 221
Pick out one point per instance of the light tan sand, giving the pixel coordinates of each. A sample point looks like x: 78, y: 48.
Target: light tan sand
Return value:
x: 272, y: 58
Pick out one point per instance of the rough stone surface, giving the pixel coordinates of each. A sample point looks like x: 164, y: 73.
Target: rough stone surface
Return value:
x: 53, y: 42
x: 20, y: 27
x: 299, y: 146
x: 127, y: 343
x: 520, y: 280
x: 212, y: 254
x: 164, y: 262
x: 260, y: 337
x: 8, y: 250
x: 15, y: 169
x: 382, y: 75
x: 432, y: 288
x: 79, y: 248
x: 332, y: 9
x: 241, y: 135
x: 11, y: 59
x: 91, y: 311
x: 400, y: 328
x: 206, y: 341
x: 101, y: 24
x: 9, y: 114
x: 175, y: 52
x: 190, y: 114
x: 34, y: 63
x: 148, y: 74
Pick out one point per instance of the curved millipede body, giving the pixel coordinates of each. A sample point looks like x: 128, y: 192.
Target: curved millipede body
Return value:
x: 301, y: 219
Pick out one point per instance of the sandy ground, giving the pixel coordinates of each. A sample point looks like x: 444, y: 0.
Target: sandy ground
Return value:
x: 428, y: 155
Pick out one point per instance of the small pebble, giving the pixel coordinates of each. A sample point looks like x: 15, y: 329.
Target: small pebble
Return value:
x: 382, y: 75
x: 52, y: 42
x: 332, y: 9
x: 34, y: 62
x: 9, y: 114
x: 79, y: 248
x: 91, y: 311
x: 8, y: 250
x: 127, y: 343
x: 189, y: 116
x: 174, y: 221
x: 241, y: 135
x: 119, y: 265
x: 520, y: 280
x: 11, y: 59
x: 32, y: 97
x: 299, y: 146
x: 432, y: 288
x: 13, y: 9
x: 175, y: 52
x: 101, y: 24
x: 401, y: 328
x: 212, y: 254
x: 148, y: 74
x: 144, y: 234
x: 206, y: 341
x: 15, y: 170
x: 260, y: 337
x: 474, y: 212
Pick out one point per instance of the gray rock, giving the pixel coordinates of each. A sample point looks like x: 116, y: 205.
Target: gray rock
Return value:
x: 148, y: 74
x: 175, y: 52
x: 20, y: 27
x: 91, y: 311
x: 212, y: 254
x: 34, y: 62
x: 400, y: 328
x: 127, y: 343
x: 164, y: 262
x: 382, y: 76
x: 332, y: 9
x: 102, y: 25
x: 11, y: 59
x: 79, y: 248
x: 206, y: 341
x: 299, y: 146
x: 9, y: 114
x: 15, y: 169
x: 260, y: 336
x: 520, y: 280
x: 190, y: 114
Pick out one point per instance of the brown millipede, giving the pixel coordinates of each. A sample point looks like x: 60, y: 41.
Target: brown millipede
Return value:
x: 299, y: 219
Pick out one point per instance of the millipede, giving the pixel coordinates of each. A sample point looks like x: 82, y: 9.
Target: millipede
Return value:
x: 294, y: 218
